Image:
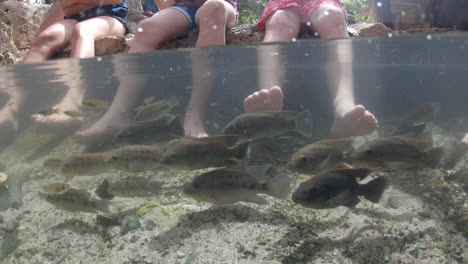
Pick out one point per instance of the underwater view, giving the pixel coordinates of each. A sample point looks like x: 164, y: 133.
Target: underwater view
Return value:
x: 276, y: 176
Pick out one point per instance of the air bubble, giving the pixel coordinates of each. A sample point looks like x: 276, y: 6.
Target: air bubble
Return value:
x: 326, y: 12
x: 215, y: 27
x: 308, y: 23
x: 379, y: 4
x: 140, y: 29
x: 429, y: 36
x: 403, y: 13
x: 369, y: 41
x: 99, y: 59
x: 316, y: 34
x: 293, y: 39
x: 390, y: 34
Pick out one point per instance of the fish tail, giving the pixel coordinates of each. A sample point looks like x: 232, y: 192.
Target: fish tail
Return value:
x: 103, y: 206
x: 374, y: 189
x: 434, y: 156
x: 102, y: 190
x: 303, y: 123
x: 279, y: 187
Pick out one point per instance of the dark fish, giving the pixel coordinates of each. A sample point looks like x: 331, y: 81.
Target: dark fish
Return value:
x: 54, y: 164
x: 128, y: 187
x: 95, y: 103
x: 73, y: 114
x: 48, y: 111
x: 319, y: 156
x: 270, y: 124
x: 86, y: 164
x: 56, y: 188
x: 339, y: 187
x: 149, y: 130
x: 396, y: 153
x: 198, y: 153
x: 136, y: 158
x: 416, y: 120
x: 155, y: 110
x: 236, y: 184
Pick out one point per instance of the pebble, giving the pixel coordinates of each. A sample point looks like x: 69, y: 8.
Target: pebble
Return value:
x: 11, y: 225
x: 180, y: 254
x: 129, y: 223
x: 54, y: 236
x: 396, y: 202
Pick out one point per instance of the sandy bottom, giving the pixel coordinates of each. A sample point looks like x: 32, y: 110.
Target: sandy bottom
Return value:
x: 419, y: 220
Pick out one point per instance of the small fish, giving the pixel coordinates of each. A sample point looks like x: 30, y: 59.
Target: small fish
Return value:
x: 136, y: 158
x: 149, y: 130
x: 48, y: 111
x: 416, y: 121
x: 148, y: 100
x: 128, y: 187
x: 56, y: 188
x: 54, y: 164
x: 95, y: 103
x: 156, y: 110
x: 270, y: 124
x: 236, y: 184
x: 73, y: 114
x: 396, y: 153
x: 75, y: 200
x: 86, y: 164
x: 319, y: 156
x: 339, y: 187
x: 198, y: 153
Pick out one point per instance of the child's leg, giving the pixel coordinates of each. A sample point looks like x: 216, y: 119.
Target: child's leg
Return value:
x: 282, y: 25
x: 50, y: 41
x: 86, y: 32
x: 212, y: 19
x: 350, y: 119
x: 166, y: 24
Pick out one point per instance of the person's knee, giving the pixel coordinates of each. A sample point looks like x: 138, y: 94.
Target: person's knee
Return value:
x: 328, y: 17
x: 213, y: 11
x: 83, y: 30
x: 45, y: 40
x: 283, y: 21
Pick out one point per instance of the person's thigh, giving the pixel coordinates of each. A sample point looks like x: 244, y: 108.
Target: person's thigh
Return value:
x: 57, y: 35
x: 169, y: 23
x: 102, y: 26
x: 230, y: 12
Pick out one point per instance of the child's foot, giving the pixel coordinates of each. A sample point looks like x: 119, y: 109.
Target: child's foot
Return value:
x: 465, y: 140
x: 103, y: 131
x: 355, y: 122
x: 264, y: 100
x: 193, y: 124
x: 59, y: 118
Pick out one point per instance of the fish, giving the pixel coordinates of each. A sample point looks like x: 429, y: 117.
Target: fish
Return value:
x: 75, y: 200
x: 396, y: 153
x: 199, y: 153
x: 270, y: 124
x: 128, y: 187
x: 48, y: 111
x: 152, y: 129
x: 237, y: 184
x: 56, y: 188
x: 54, y: 164
x: 339, y: 187
x: 86, y: 164
x: 95, y: 103
x: 136, y: 158
x: 73, y: 114
x: 415, y: 122
x: 155, y: 110
x: 319, y: 156
x: 11, y: 193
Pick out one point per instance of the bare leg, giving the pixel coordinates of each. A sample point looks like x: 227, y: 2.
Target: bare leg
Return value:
x: 82, y: 40
x: 283, y: 25
x: 164, y: 25
x: 212, y: 18
x: 465, y: 140
x: 350, y: 119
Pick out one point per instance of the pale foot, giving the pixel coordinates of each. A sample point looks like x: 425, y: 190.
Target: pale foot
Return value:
x: 355, y: 122
x: 193, y: 125
x: 465, y: 140
x: 103, y: 131
x: 59, y: 119
x: 264, y: 100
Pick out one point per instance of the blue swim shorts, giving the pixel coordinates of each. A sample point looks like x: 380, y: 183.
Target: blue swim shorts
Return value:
x: 189, y: 13
x: 117, y: 11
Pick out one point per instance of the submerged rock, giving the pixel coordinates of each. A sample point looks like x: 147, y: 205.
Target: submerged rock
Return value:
x: 129, y: 223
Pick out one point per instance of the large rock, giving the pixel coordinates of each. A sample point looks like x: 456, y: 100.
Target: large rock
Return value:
x: 363, y: 29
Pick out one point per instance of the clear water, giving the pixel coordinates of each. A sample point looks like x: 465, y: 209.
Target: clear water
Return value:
x: 421, y: 218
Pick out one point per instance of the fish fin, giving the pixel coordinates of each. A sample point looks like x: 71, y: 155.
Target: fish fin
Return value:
x: 434, y: 156
x: 242, y: 151
x: 421, y: 142
x: 345, y: 198
x: 353, y: 172
x: 253, y: 198
x: 103, y: 206
x: 228, y: 140
x: 327, y: 164
x: 102, y: 190
x: 374, y: 189
x: 410, y: 131
x: 303, y: 123
x: 342, y: 144
x: 258, y: 171
x: 279, y: 187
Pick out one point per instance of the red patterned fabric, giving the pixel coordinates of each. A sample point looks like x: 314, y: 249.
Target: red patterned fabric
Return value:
x: 305, y: 8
